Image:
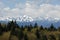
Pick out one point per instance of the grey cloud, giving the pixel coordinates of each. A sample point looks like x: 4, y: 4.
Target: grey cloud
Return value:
x: 31, y: 9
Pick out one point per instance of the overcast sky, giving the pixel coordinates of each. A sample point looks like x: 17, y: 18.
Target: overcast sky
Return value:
x: 32, y: 8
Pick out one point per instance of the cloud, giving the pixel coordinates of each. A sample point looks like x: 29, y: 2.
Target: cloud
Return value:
x: 31, y: 9
x: 50, y: 10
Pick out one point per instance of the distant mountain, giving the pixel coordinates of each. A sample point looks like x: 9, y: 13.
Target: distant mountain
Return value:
x: 26, y: 20
x: 20, y: 18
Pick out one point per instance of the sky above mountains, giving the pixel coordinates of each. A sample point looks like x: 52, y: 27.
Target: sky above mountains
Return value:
x: 32, y: 8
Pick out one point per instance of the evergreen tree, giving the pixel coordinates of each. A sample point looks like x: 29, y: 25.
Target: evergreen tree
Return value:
x: 25, y: 37
x: 46, y: 28
x: 1, y: 29
x: 20, y: 35
x: 13, y: 25
x: 41, y: 27
x: 29, y: 28
x: 5, y: 29
x: 9, y: 25
x: 52, y: 28
x: 37, y: 34
x: 22, y: 28
x: 36, y: 25
x: 16, y: 25
x: 26, y: 26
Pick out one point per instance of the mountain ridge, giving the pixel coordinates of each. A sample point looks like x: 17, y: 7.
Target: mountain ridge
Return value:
x: 26, y: 20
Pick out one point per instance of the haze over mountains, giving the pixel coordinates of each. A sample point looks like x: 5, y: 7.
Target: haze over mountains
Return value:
x: 26, y: 20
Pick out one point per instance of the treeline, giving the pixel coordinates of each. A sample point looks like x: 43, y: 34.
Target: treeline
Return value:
x: 29, y: 32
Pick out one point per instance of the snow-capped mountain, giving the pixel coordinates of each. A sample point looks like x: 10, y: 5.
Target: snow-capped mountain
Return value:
x: 47, y: 21
x: 20, y: 18
x: 26, y: 20
x: 29, y: 19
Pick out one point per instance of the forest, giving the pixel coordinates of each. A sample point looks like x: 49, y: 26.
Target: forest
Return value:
x: 12, y: 31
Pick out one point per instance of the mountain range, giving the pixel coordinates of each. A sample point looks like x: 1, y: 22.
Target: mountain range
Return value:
x: 26, y: 20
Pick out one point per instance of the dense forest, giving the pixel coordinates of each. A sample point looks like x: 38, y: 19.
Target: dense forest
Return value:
x: 12, y: 31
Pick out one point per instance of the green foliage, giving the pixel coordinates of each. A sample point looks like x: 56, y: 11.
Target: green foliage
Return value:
x: 29, y: 32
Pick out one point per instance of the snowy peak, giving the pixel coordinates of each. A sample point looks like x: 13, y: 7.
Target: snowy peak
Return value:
x: 20, y: 18
x: 26, y: 18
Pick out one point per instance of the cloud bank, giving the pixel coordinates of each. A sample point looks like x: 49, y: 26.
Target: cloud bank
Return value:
x: 31, y: 8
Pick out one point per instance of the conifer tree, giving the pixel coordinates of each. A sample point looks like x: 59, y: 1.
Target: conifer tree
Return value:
x: 20, y: 35
x: 25, y: 37
x: 31, y: 26
x: 22, y: 28
x: 46, y: 28
x: 36, y: 25
x: 41, y: 27
x: 1, y: 29
x: 9, y: 25
x: 52, y: 28
x: 13, y: 25
x: 37, y: 34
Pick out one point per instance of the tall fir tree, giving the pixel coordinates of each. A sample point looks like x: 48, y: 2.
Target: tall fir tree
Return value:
x: 52, y: 28
x: 41, y: 27
x: 20, y: 35
x: 35, y: 25
x: 25, y: 37
x: 1, y: 29
x: 38, y: 34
